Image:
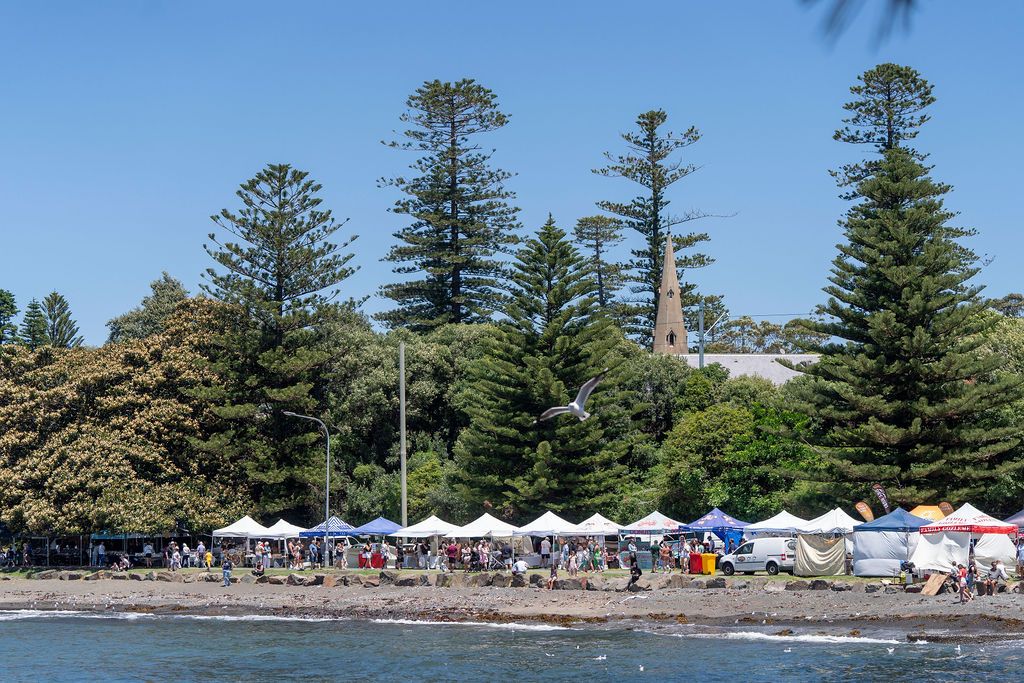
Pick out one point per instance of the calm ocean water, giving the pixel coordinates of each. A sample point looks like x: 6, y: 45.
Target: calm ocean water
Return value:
x: 61, y: 646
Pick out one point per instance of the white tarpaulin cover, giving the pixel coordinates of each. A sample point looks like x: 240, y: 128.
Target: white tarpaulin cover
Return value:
x: 246, y: 527
x: 941, y: 552
x: 282, y: 530
x: 548, y: 524
x: 819, y: 556
x: 832, y: 522
x: 431, y: 526
x: 484, y: 525
x: 880, y: 553
x: 782, y: 523
x: 596, y: 525
x: 654, y: 523
x: 992, y: 547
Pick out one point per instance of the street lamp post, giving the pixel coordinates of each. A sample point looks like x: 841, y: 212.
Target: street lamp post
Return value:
x: 327, y: 489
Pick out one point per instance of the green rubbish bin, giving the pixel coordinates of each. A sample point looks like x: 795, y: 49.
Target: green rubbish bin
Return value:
x: 708, y: 563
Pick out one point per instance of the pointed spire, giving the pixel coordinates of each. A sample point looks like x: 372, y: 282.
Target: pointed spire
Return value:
x: 669, y: 326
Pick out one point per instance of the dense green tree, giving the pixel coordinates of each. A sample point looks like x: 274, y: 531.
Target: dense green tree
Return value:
x: 1011, y: 305
x: 459, y: 207
x: 33, y: 326
x: 281, y: 280
x: 597, y: 235
x: 61, y: 329
x: 906, y: 394
x: 651, y: 163
x: 151, y: 316
x: 8, y: 309
x: 550, y: 345
x: 887, y: 112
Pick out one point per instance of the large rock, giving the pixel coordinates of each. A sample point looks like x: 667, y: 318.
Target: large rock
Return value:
x: 597, y: 583
x: 445, y: 580
x: 678, y: 581
x: 535, y: 580
x: 96, y: 576
x: 330, y: 581
x: 121, y: 577
x: 797, y: 585
x: 916, y: 588
x: 502, y: 581
x: 407, y: 581
x: 273, y: 580
x: 481, y: 580
x: 820, y: 585
x: 248, y: 579
x: 215, y: 578
x: 44, y: 575
x: 841, y: 586
x: 69, y: 576
x: 519, y: 581
x: 170, y: 577
x: 388, y: 577
x: 737, y: 584
x: 893, y: 589
x: 371, y: 581
x: 296, y: 580
x: 571, y: 585
x: 774, y: 586
x: 315, y: 580
x: 872, y: 587
x: 429, y: 579
x: 149, y: 576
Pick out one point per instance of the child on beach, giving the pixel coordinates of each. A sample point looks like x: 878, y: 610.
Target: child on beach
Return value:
x: 208, y: 560
x: 572, y: 564
x: 553, y: 576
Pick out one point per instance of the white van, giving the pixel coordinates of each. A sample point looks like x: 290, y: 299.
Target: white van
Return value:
x: 771, y: 555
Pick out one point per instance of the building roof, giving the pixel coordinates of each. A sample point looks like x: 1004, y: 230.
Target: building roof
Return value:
x: 754, y: 364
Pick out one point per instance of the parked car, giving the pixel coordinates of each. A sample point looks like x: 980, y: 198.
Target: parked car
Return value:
x: 770, y: 555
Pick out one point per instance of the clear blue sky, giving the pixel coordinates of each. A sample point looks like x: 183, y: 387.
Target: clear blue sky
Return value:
x: 125, y: 125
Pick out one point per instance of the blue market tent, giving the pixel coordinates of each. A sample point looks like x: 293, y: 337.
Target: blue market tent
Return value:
x: 882, y: 546
x: 720, y: 524
x: 897, y: 520
x: 378, y: 527
x: 1017, y: 519
x: 334, y: 527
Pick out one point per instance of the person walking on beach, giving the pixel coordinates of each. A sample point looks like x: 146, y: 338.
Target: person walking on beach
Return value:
x: 226, y: 567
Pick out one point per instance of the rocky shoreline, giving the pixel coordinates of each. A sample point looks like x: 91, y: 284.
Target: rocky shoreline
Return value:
x: 771, y: 606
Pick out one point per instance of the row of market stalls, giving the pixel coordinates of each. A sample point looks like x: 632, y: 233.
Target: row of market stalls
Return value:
x: 924, y: 536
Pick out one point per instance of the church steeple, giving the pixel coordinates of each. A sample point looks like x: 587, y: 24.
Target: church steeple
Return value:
x: 669, y: 327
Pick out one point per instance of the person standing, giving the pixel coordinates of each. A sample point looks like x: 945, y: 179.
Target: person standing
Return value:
x: 186, y: 557
x: 147, y: 552
x: 545, y: 552
x: 101, y: 554
x: 226, y: 566
x: 201, y: 554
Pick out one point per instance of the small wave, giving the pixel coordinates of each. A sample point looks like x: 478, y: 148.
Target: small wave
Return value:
x: 251, y: 617
x: 796, y: 637
x: 20, y: 614
x: 515, y: 626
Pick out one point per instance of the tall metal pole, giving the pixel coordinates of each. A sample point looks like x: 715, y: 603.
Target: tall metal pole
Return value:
x: 700, y: 335
x: 327, y: 490
x: 401, y: 429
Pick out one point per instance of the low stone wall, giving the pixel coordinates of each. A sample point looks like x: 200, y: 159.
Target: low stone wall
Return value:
x: 388, y: 577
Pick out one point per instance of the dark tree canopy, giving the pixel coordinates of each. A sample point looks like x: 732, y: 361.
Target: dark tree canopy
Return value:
x: 459, y: 207
x: 33, y: 326
x: 61, y: 329
x: 151, y: 316
x: 597, y: 235
x: 8, y: 309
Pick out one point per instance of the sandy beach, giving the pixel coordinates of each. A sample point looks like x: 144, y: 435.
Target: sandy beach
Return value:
x: 769, y: 606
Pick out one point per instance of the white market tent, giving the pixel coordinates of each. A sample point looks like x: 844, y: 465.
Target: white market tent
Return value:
x: 781, y: 524
x: 548, y: 524
x: 654, y: 523
x: 832, y: 522
x: 246, y: 527
x: 431, y: 526
x: 596, y: 525
x: 283, y: 530
x: 947, y: 542
x: 483, y: 526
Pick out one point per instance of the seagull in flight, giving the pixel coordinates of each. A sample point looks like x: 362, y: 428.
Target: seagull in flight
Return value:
x: 577, y: 406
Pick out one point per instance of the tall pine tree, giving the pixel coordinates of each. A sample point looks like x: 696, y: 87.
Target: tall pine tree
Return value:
x: 888, y: 111
x: 907, y: 395
x: 152, y: 315
x: 282, y: 277
x: 61, y: 329
x: 597, y: 235
x: 549, y: 346
x: 459, y: 207
x: 651, y: 163
x: 33, y: 326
